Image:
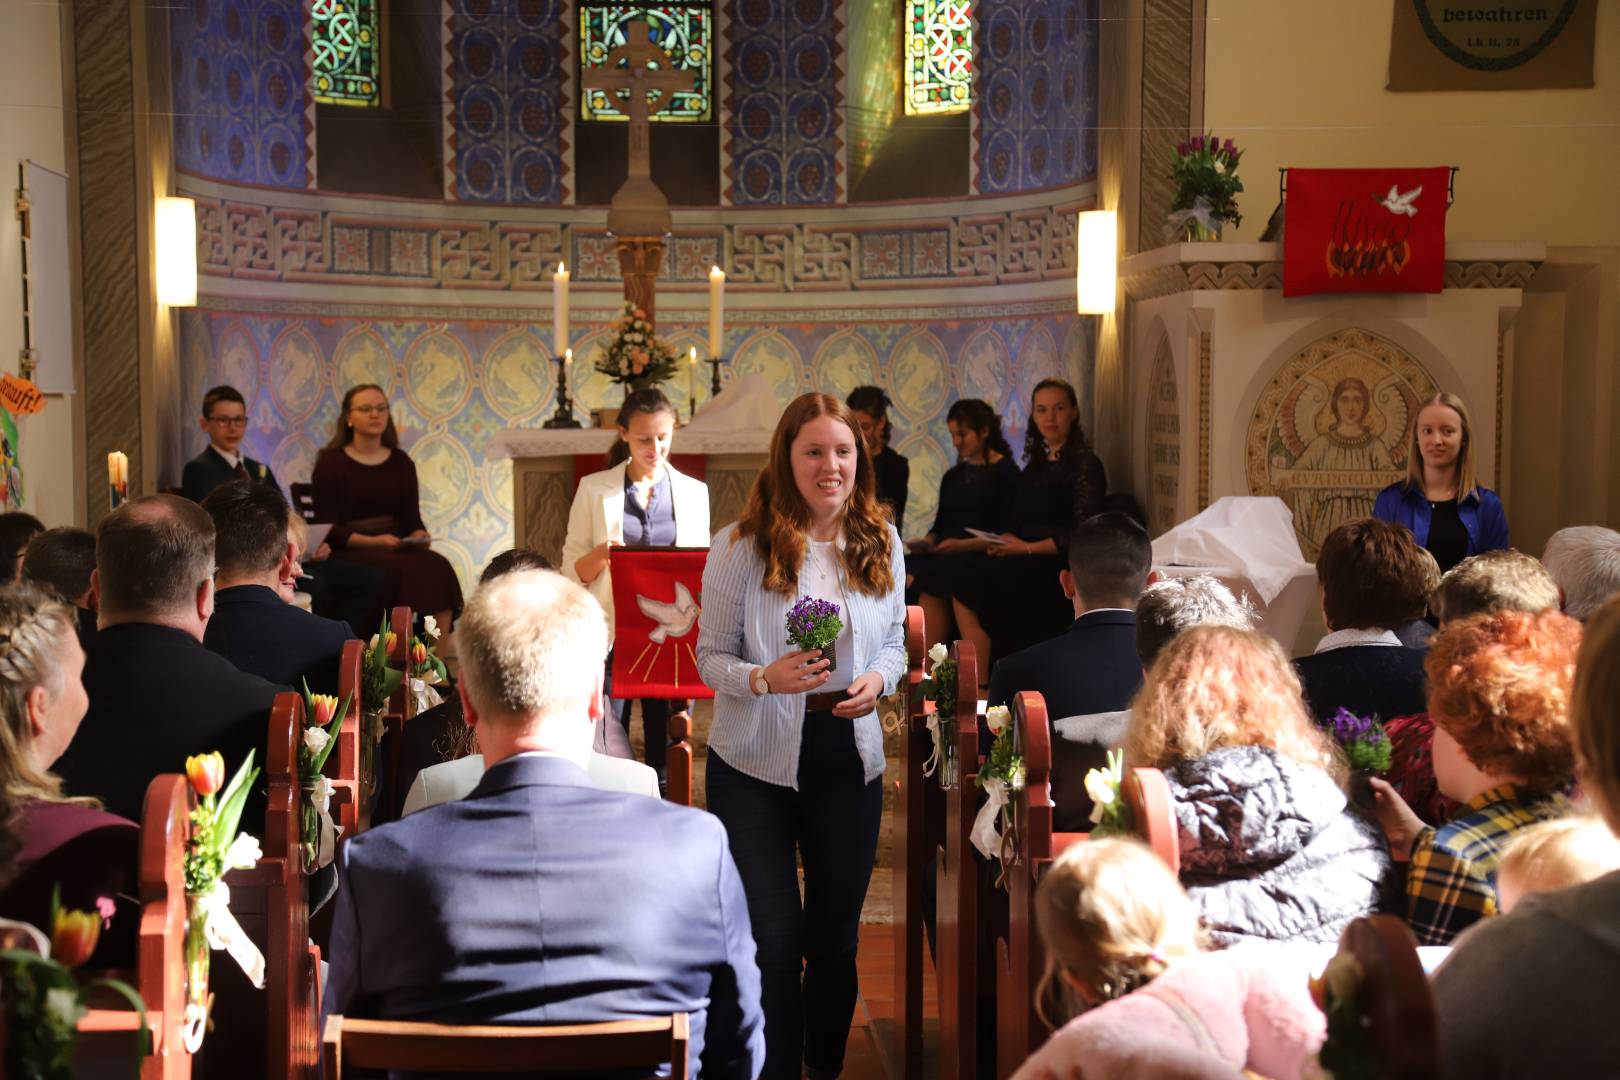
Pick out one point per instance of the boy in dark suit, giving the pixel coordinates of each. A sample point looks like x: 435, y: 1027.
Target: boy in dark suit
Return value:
x: 1091, y: 672
x: 224, y: 419
x: 156, y: 695
x: 526, y: 902
x: 252, y: 626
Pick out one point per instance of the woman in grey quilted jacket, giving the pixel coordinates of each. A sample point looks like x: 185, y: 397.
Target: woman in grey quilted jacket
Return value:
x: 1270, y: 848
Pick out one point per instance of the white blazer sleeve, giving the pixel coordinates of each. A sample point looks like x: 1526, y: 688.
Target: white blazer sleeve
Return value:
x: 582, y: 520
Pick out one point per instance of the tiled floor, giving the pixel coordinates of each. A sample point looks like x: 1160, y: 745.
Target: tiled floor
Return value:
x: 872, y: 1053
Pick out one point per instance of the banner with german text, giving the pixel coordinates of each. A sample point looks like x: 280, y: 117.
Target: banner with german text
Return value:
x: 657, y: 596
x: 1365, y: 230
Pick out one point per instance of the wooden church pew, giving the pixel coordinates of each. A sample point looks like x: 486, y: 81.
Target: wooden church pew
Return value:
x: 271, y: 1032
x: 678, y: 760
x: 1020, y: 955
x: 401, y: 707
x: 958, y: 879
x: 350, y: 806
x: 641, y: 1045
x: 160, y: 976
x: 1153, y: 815
x: 913, y: 841
x: 1396, y: 1000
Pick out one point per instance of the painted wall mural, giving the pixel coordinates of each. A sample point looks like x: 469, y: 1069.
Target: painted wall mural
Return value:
x: 509, y: 110
x: 454, y: 383
x: 242, y: 106
x: 1035, y: 103
x: 1333, y: 427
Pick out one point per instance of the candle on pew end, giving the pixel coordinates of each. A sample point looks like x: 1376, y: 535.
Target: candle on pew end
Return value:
x: 717, y: 297
x: 559, y: 308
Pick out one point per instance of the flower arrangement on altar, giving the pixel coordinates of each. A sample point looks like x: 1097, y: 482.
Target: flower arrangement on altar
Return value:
x: 44, y: 1000
x: 323, y: 717
x: 636, y: 356
x: 939, y: 686
x: 214, y: 849
x: 1207, y: 184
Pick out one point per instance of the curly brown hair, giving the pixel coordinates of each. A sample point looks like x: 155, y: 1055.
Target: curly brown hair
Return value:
x: 1373, y: 576
x: 778, y: 519
x: 1500, y: 685
x: 1218, y: 686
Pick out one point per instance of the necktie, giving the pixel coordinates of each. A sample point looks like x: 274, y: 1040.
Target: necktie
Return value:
x: 241, y: 471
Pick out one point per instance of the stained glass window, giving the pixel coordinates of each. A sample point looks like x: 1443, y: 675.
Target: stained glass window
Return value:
x: 684, y: 31
x: 938, y: 56
x: 348, y: 52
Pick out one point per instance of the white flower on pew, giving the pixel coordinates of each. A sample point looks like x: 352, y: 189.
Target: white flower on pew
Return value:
x: 62, y: 1005
x: 996, y: 718
x: 430, y: 627
x: 315, y: 740
x: 244, y: 852
x: 938, y: 654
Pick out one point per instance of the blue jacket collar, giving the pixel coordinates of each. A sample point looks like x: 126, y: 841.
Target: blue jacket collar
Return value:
x: 532, y: 771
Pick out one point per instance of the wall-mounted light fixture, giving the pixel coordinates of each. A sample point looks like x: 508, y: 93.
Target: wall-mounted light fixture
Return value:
x: 177, y: 252
x: 1096, y: 249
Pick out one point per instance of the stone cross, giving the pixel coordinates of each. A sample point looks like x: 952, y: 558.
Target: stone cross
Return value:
x: 642, y: 81
x: 639, y: 218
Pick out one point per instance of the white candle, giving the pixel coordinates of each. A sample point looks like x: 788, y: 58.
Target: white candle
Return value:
x: 559, y: 308
x: 717, y: 303
x: 118, y: 475
x: 691, y: 375
x: 568, y: 366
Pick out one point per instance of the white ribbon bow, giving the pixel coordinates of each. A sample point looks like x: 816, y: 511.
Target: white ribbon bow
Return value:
x: 938, y: 755
x: 424, y: 696
x: 222, y: 932
x: 986, y: 832
x: 319, y: 792
x: 1201, y: 211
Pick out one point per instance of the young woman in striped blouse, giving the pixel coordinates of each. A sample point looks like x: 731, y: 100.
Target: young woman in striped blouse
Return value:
x: 796, y: 754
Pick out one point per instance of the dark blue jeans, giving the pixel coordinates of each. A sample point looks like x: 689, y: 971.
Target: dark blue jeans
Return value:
x: 806, y: 950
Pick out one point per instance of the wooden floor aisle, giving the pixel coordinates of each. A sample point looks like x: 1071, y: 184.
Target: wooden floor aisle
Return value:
x: 872, y: 1038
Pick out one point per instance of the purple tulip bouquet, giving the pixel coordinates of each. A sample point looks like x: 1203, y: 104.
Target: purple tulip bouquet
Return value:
x: 814, y: 624
x: 1207, y: 185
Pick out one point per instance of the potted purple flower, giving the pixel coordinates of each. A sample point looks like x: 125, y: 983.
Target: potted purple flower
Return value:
x: 814, y: 624
x: 1368, y: 749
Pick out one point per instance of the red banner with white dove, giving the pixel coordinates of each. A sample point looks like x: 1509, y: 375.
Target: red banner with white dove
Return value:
x: 1365, y: 230
x: 657, y: 593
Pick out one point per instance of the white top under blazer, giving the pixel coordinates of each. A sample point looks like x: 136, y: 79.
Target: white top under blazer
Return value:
x: 742, y: 626
x: 598, y: 515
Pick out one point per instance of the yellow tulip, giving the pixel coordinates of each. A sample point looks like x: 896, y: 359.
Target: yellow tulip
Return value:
x: 74, y: 936
x: 206, y: 772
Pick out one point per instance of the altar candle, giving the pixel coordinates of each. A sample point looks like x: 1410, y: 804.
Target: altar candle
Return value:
x: 118, y: 475
x: 717, y: 297
x: 559, y: 308
x: 691, y: 375
x: 568, y: 365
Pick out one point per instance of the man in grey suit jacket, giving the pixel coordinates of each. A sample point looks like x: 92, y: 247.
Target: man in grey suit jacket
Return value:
x: 527, y: 901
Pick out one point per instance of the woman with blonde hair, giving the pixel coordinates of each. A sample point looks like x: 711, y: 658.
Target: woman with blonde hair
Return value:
x: 1441, y: 500
x: 1270, y: 849
x: 1122, y: 936
x: 68, y: 843
x: 1544, y: 967
x: 795, y: 761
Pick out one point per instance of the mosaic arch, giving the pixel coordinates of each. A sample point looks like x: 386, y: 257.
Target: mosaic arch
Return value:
x: 1332, y: 428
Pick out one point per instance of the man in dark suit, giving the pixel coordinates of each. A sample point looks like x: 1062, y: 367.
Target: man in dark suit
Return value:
x: 526, y: 902
x: 63, y: 560
x: 346, y: 591
x: 1089, y: 674
x: 156, y: 695
x: 1373, y: 577
x: 253, y: 627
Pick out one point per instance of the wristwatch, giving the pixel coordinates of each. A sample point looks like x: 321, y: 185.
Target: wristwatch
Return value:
x: 758, y: 683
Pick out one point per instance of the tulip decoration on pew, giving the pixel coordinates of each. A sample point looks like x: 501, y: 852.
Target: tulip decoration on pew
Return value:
x: 323, y: 717
x: 1001, y: 776
x: 215, y: 848
x: 939, y: 686
x: 1110, y: 812
x: 378, y: 682
x: 43, y: 1000
x: 427, y: 670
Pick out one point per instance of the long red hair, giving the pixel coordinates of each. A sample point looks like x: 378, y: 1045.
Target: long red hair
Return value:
x: 779, y: 521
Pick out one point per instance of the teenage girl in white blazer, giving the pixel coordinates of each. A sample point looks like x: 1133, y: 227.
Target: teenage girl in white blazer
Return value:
x: 632, y: 503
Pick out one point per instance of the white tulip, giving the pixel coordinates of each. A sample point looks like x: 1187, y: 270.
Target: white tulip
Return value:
x: 1100, y: 786
x: 430, y: 627
x: 244, y: 852
x: 938, y: 654
x: 997, y: 717
x: 315, y: 739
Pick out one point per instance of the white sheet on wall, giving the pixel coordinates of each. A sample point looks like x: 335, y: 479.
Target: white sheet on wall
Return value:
x: 49, y: 279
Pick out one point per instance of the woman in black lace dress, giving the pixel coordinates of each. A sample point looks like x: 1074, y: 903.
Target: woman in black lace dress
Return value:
x: 1009, y: 597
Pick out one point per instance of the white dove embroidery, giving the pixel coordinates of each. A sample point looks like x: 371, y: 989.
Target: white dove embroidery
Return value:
x: 674, y: 620
x: 1398, y: 203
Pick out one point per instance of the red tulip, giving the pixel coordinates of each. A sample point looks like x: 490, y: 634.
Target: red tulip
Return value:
x: 206, y: 772
x: 74, y: 936
x: 418, y: 653
x: 325, y: 707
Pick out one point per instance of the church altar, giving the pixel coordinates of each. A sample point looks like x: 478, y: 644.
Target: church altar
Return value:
x: 547, y: 465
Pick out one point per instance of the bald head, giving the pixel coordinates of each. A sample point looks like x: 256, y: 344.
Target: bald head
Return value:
x: 153, y: 554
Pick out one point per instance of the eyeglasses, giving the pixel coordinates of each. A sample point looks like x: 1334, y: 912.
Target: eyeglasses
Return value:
x: 228, y: 421
x: 370, y: 410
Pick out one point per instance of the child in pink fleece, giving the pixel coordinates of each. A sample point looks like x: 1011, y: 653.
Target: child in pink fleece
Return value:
x: 1121, y: 934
